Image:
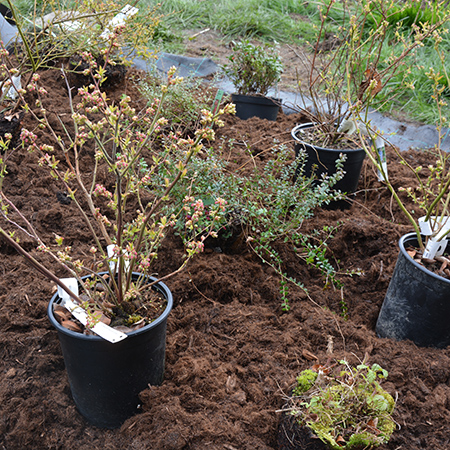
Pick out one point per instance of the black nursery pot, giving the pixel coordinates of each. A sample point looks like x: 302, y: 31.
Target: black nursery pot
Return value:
x: 417, y: 302
x: 106, y: 379
x: 293, y: 436
x: 255, y: 106
x: 323, y: 161
x: 11, y: 124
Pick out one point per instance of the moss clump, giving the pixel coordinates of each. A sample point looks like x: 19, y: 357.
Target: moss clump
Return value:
x: 347, y: 411
x: 362, y: 441
x: 305, y: 381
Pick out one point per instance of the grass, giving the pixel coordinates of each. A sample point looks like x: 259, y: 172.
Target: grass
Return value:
x: 278, y: 20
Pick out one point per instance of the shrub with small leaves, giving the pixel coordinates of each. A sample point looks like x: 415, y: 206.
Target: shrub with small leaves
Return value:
x: 271, y: 207
x: 253, y: 69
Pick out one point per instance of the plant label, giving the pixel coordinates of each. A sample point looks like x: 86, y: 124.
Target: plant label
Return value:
x: 436, y: 227
x: 120, y: 19
x: 99, y: 328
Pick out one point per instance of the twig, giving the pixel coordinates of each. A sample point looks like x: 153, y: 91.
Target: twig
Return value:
x: 203, y: 295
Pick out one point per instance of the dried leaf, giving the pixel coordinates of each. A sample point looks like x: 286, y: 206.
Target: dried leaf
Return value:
x: 372, y: 425
x: 61, y: 313
x: 340, y: 441
x: 428, y: 261
x: 411, y: 253
x: 72, y: 326
x: 106, y: 320
x: 320, y: 368
x: 138, y: 325
x: 373, y: 80
x: 309, y: 356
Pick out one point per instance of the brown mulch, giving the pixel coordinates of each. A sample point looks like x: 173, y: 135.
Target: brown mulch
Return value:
x: 232, y: 353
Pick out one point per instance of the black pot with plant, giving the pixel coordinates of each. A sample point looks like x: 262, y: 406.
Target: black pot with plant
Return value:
x: 416, y: 305
x: 106, y: 378
x: 125, y: 223
x: 322, y: 161
x: 254, y: 69
x: 343, y: 84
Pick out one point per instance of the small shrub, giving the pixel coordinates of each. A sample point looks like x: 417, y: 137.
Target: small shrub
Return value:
x: 270, y: 206
x: 253, y: 69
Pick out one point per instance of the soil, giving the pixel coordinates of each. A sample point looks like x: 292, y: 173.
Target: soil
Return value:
x: 232, y: 353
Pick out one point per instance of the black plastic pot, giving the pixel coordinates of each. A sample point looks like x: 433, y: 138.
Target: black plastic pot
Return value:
x: 417, y: 302
x: 256, y: 106
x: 11, y: 124
x: 323, y: 161
x: 105, y: 378
x: 293, y: 436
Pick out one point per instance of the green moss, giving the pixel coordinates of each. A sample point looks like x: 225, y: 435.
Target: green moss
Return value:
x: 388, y: 398
x: 305, y: 381
x: 359, y: 441
x: 133, y: 319
x: 342, y: 409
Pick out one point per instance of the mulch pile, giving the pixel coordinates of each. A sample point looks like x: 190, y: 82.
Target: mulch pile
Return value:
x: 232, y: 353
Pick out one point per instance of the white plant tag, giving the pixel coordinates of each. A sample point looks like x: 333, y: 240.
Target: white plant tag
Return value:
x: 70, y: 283
x: 8, y: 32
x: 11, y: 93
x: 382, y: 175
x: 426, y: 227
x: 350, y: 126
x: 119, y: 19
x: 434, y: 248
x: 101, y: 329
x: 437, y: 244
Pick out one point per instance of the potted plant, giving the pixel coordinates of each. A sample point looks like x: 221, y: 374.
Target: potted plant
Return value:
x: 254, y: 69
x: 110, y: 313
x: 338, y: 407
x: 352, y: 63
x: 416, y: 304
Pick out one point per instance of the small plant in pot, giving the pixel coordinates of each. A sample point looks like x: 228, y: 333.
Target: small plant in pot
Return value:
x: 416, y: 304
x: 360, y: 47
x: 338, y: 407
x: 254, y: 69
x: 106, y: 157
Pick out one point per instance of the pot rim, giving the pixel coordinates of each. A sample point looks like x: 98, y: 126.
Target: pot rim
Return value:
x: 297, y: 129
x: 412, y: 236
x: 275, y: 100
x: 160, y: 286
